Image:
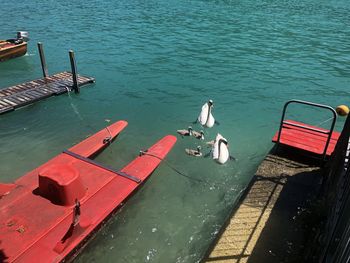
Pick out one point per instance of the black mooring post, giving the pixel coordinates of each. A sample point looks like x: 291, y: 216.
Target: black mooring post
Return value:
x: 42, y: 59
x: 74, y: 71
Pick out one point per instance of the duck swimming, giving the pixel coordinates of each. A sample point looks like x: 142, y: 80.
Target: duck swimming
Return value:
x: 198, y: 135
x: 210, y: 143
x: 184, y: 132
x: 192, y: 152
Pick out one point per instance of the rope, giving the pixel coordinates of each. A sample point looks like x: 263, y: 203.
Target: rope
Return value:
x: 108, y: 139
x: 181, y: 173
x: 82, y: 120
x: 324, y: 121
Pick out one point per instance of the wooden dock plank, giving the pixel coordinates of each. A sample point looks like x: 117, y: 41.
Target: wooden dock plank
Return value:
x: 31, y: 97
x: 10, y: 102
x: 5, y: 110
x: 38, y: 90
x: 21, y: 98
x: 20, y: 95
x: 4, y: 104
x: 14, y: 100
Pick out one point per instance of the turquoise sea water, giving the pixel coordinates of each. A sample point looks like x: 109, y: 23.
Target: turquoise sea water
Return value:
x: 155, y: 64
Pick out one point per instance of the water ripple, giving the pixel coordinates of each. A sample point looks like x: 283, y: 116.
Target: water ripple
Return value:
x: 156, y: 63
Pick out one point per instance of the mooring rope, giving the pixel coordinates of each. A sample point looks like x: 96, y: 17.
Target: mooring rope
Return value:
x: 77, y: 113
x: 324, y: 121
x: 89, y: 126
x: 108, y: 139
x: 181, y: 173
x: 141, y: 151
x: 170, y: 166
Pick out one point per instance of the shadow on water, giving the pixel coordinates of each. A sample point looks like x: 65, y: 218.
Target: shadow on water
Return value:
x: 155, y: 63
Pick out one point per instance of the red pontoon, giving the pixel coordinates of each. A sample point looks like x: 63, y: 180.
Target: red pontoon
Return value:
x: 308, y: 138
x: 48, y: 214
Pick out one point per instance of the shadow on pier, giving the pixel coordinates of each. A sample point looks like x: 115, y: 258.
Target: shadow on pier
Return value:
x: 271, y: 224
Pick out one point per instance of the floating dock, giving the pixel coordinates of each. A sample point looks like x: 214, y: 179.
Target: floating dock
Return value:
x: 20, y: 95
x: 23, y: 94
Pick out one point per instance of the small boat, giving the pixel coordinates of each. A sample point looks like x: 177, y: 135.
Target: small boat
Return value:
x: 16, y: 47
x: 50, y: 213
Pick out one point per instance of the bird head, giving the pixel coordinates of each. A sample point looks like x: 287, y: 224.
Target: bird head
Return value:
x: 190, y: 130
x: 223, y: 141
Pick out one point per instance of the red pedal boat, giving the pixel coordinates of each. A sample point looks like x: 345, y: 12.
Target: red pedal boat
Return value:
x: 48, y: 214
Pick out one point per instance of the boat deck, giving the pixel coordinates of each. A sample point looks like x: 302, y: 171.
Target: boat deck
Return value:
x: 5, y: 44
x: 269, y: 224
x: 23, y: 94
x: 48, y: 214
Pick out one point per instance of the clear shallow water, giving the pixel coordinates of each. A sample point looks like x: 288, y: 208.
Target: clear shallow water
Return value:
x: 156, y: 63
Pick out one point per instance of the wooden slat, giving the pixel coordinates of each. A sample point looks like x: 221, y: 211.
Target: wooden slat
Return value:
x: 308, y: 140
x: 311, y: 144
x: 306, y: 132
x: 4, y: 104
x: 21, y: 98
x: 5, y: 93
x: 26, y: 93
x: 14, y: 100
x: 306, y: 135
x: 9, y: 102
x: 23, y: 95
x: 38, y: 90
x: 7, y: 109
x: 33, y: 93
x: 322, y: 130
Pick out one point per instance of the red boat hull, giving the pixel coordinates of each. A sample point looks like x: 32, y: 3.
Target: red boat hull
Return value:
x: 37, y: 217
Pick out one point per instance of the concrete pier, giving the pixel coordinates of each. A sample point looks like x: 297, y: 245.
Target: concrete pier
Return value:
x: 271, y: 223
